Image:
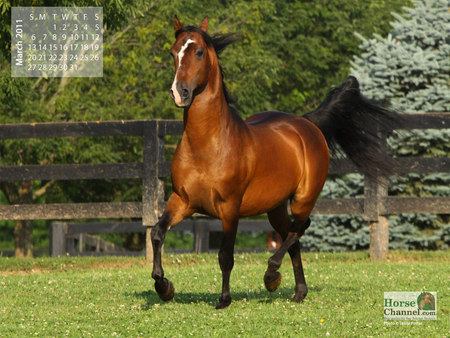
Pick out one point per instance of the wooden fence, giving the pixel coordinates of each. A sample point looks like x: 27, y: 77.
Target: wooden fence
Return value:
x: 375, y: 205
x: 71, y: 238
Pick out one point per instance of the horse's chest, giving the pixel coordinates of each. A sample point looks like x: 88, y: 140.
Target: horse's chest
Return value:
x: 203, y: 184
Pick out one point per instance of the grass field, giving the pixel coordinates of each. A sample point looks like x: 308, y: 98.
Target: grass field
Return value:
x: 115, y: 296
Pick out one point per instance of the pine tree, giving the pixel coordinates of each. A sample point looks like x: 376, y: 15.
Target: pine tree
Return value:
x: 411, y: 66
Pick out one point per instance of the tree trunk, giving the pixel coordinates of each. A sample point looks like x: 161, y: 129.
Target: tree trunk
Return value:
x: 23, y: 230
x: 23, y: 239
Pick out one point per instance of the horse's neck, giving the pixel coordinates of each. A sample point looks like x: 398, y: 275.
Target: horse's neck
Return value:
x: 209, y: 119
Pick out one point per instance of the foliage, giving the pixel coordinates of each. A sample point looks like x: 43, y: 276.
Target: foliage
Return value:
x: 276, y: 65
x: 34, y: 100
x: 111, y: 296
x: 318, y: 43
x: 281, y: 62
x: 410, y: 68
x: 115, y: 14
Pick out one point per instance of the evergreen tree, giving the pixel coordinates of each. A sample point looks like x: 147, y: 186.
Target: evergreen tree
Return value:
x: 410, y: 68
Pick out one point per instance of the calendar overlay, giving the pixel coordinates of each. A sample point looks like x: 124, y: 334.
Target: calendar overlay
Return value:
x: 57, y: 42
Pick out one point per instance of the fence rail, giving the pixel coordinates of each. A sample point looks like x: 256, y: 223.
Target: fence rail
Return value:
x: 375, y: 205
x: 65, y: 237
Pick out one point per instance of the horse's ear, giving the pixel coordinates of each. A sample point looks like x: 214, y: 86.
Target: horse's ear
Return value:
x: 177, y: 24
x: 204, y: 25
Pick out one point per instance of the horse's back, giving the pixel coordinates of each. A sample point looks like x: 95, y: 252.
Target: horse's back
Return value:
x: 287, y: 125
x: 277, y: 120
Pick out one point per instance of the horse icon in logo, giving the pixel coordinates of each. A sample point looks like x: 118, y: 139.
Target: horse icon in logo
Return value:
x: 426, y: 301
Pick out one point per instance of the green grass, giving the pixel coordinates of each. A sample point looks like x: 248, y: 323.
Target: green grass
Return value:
x: 109, y: 296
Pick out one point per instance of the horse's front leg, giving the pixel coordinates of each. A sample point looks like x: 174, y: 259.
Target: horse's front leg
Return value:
x: 226, y: 258
x: 176, y: 210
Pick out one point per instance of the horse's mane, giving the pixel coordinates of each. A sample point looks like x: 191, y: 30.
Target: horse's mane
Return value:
x: 219, y: 42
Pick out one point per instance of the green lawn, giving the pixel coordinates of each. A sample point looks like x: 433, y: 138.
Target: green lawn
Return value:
x: 115, y: 296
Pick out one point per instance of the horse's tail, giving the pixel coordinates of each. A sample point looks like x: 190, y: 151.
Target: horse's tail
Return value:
x: 356, y: 124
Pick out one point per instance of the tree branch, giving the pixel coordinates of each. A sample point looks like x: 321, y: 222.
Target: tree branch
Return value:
x: 38, y: 193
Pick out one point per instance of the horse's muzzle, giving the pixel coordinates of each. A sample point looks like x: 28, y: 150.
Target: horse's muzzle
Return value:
x: 183, y: 96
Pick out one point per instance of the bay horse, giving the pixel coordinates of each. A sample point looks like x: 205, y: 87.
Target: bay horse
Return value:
x: 229, y: 168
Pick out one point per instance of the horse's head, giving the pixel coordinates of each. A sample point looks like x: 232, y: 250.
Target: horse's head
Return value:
x: 195, y: 56
x: 427, y: 299
x: 192, y: 57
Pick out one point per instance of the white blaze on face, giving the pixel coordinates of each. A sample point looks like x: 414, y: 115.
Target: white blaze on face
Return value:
x: 176, y: 95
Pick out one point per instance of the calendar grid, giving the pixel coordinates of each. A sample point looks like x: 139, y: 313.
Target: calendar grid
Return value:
x: 57, y: 42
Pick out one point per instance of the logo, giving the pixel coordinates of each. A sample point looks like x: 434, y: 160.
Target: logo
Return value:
x: 410, y: 305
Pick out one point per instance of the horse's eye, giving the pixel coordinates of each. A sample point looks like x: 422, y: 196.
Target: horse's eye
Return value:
x: 172, y: 54
x: 200, y: 52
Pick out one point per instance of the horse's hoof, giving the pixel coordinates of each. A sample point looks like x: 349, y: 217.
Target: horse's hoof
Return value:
x: 165, y: 289
x: 272, y: 280
x: 223, y: 303
x: 300, y: 293
x: 298, y: 298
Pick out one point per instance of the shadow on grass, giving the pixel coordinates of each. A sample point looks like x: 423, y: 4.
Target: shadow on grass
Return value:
x: 262, y: 296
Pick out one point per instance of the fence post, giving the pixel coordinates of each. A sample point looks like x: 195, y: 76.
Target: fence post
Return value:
x: 201, y: 236
x: 375, y: 189
x: 152, y: 184
x: 58, y: 232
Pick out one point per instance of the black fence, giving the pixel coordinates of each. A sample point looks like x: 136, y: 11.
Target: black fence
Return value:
x: 153, y: 170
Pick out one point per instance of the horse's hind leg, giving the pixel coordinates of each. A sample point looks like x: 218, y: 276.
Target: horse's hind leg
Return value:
x: 301, y: 289
x: 301, y: 206
x: 279, y: 219
x: 314, y: 168
x: 290, y: 233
